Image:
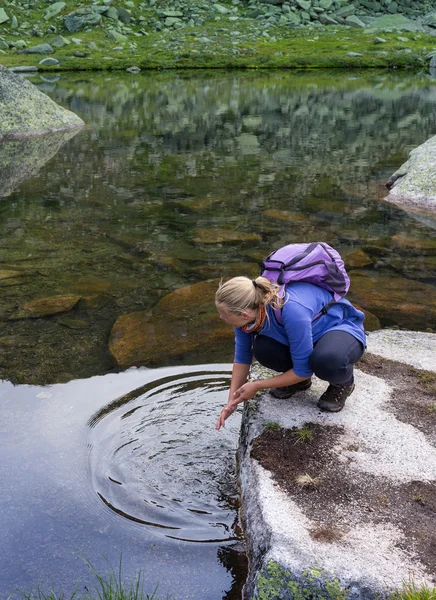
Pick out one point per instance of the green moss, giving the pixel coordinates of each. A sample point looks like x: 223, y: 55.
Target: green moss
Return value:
x: 275, y: 581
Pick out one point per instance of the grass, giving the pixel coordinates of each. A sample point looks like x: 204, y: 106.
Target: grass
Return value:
x: 305, y: 434
x: 272, y: 426
x: 410, y: 591
x: 107, y: 587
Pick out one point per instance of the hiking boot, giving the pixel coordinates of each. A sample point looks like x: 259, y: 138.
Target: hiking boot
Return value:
x: 286, y: 392
x: 333, y: 399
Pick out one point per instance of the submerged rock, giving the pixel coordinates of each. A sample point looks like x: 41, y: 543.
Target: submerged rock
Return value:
x: 25, y: 111
x: 182, y: 323
x: 45, y: 307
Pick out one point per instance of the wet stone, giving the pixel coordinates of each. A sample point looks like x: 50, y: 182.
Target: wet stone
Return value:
x: 223, y: 236
x: 45, y: 307
x: 187, y: 315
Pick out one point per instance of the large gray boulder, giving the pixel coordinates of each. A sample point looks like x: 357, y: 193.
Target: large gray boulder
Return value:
x: 339, y: 505
x: 25, y: 111
x: 413, y: 185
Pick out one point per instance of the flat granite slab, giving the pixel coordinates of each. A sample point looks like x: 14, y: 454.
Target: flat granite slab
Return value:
x: 343, y: 505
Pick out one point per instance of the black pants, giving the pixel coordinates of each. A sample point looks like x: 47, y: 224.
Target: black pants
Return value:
x: 332, y: 358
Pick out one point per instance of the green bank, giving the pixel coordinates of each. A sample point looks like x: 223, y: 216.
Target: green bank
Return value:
x: 152, y: 34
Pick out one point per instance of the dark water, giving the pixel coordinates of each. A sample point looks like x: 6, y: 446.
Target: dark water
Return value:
x: 126, y: 464
x: 176, y: 178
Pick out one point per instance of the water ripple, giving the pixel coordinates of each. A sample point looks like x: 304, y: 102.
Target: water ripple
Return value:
x: 156, y: 459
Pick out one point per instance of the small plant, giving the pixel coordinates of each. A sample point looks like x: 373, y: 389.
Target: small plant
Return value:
x: 418, y: 498
x: 307, y: 480
x: 108, y: 587
x: 432, y: 407
x: 272, y: 426
x: 305, y: 434
x: 410, y: 591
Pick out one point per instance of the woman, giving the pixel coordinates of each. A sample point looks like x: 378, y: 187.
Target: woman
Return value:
x: 307, y: 341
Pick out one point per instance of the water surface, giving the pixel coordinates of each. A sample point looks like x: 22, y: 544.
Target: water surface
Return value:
x: 178, y: 178
x: 126, y: 464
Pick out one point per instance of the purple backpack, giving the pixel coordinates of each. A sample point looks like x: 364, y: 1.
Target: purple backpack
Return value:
x: 316, y: 263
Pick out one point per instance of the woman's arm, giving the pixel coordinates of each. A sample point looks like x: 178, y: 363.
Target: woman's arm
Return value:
x: 239, y: 378
x: 248, y: 390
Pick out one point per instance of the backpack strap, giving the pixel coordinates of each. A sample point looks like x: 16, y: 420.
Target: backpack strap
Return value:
x: 323, y: 311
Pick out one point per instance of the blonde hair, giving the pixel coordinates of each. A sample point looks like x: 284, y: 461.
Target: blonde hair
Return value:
x: 241, y: 293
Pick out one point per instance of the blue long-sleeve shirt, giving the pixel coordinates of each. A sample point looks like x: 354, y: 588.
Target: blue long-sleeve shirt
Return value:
x: 302, y: 302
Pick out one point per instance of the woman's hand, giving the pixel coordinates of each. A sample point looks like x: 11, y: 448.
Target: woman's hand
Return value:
x: 246, y: 392
x: 228, y: 410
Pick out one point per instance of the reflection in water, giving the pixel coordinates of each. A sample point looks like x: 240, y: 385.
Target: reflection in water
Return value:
x: 94, y: 468
x: 21, y: 159
x: 154, y: 461
x: 182, y: 177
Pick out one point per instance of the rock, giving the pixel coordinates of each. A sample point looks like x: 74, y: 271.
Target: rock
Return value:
x: 112, y: 13
x: 14, y: 22
x: 22, y: 69
x: 171, y: 13
x: 59, y: 42
x: 26, y: 111
x: 82, y: 17
x: 326, y: 4
x: 54, y: 10
x: 3, y: 16
x: 365, y: 510
x: 19, y: 44
x: 223, y: 236
x: 49, y: 62
x: 390, y: 298
x: 141, y: 338
x: 4, y: 45
x: 327, y: 20
x: 116, y: 36
x: 395, y: 22
x: 8, y: 273
x: 353, y: 54
x: 220, y: 9
x: 430, y: 19
x: 393, y: 7
x: 379, y: 40
x: 170, y: 21
x: 46, y: 307
x: 124, y: 15
x: 413, y: 185
x: 39, y: 49
x: 304, y: 4
x: 354, y: 21
x: 133, y: 70
x: 345, y: 11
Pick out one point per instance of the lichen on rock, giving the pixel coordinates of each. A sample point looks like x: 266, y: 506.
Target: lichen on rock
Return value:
x: 25, y: 111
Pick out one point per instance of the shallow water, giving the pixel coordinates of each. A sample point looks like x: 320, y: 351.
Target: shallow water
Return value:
x: 122, y: 464
x: 177, y: 178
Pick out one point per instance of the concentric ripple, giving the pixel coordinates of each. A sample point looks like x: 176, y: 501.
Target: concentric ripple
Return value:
x: 157, y: 459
